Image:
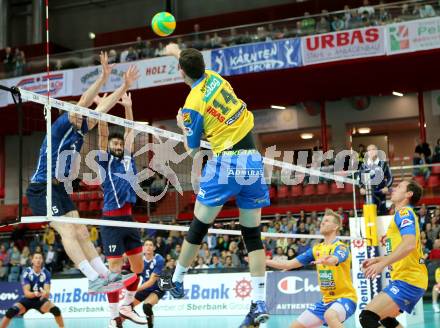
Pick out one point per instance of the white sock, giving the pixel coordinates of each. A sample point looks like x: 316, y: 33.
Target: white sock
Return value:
x: 179, y: 273
x: 114, y: 310
x: 99, y: 266
x: 128, y: 298
x: 85, y: 267
x: 258, y: 292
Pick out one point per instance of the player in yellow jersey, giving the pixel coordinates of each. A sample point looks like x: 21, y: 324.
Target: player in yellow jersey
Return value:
x: 236, y: 169
x: 409, y: 276
x: 436, y: 291
x: 332, y: 259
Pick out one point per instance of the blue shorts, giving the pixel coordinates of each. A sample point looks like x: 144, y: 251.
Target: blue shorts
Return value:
x: 234, y: 174
x: 117, y: 241
x: 404, y: 295
x: 61, y: 201
x: 318, y: 309
x: 143, y: 294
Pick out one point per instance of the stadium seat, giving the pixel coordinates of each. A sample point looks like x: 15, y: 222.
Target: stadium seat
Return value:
x: 283, y: 192
x: 83, y: 206
x: 75, y: 197
x: 309, y: 190
x: 94, y: 206
x: 296, y: 191
x: 435, y: 170
x: 322, y: 189
x: 334, y: 190
x: 272, y: 192
x: 24, y: 201
x: 433, y: 181
x: 348, y: 188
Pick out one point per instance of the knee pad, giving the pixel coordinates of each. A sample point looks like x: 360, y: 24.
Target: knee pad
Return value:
x: 12, y: 312
x: 252, y: 238
x: 197, y: 231
x: 55, y: 311
x: 390, y: 322
x: 148, y: 309
x: 369, y: 319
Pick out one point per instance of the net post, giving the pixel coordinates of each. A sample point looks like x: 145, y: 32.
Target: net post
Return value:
x: 48, y: 116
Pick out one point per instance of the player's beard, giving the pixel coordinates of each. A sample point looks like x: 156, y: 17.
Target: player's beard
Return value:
x: 117, y: 154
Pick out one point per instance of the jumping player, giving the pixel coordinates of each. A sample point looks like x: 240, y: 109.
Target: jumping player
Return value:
x: 332, y: 259
x: 409, y: 275
x: 67, y: 137
x: 36, y: 290
x: 119, y: 167
x: 149, y: 292
x: 213, y: 109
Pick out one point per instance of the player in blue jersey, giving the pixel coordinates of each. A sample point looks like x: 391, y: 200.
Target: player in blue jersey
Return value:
x: 149, y: 292
x: 67, y: 138
x: 117, y: 169
x: 36, y: 290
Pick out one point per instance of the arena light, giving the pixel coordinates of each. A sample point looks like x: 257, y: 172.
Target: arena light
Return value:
x: 92, y: 36
x: 306, y: 136
x: 146, y: 123
x: 397, y: 94
x: 364, y: 130
x: 277, y: 107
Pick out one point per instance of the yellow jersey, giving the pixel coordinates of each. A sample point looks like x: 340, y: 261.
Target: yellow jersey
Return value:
x: 334, y: 281
x: 437, y: 275
x: 412, y: 268
x: 213, y: 109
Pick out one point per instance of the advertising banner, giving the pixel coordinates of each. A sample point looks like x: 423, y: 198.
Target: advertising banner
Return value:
x: 343, y: 45
x: 10, y: 293
x: 257, y: 57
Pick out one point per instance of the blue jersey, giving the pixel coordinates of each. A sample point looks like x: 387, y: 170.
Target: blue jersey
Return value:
x: 155, y: 266
x: 65, y: 137
x: 119, y: 172
x: 36, y: 280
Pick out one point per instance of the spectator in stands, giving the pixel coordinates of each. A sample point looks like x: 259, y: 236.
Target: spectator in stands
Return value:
x: 201, y: 264
x: 25, y: 259
x: 347, y: 16
x: 436, y: 157
x: 216, y: 264
x: 233, y: 38
x: 303, y: 246
x: 233, y: 250
x: 366, y: 9
x: 58, y: 65
x: 435, y: 252
x: 377, y: 169
x: 361, y: 151
x: 423, y: 148
x: 14, y: 256
x: 112, y: 56
x: 405, y: 14
x: 158, y: 52
x: 302, y: 230
x: 20, y: 62
x: 140, y: 48
x: 262, y: 34
x: 50, y: 259
x: 356, y: 20
x: 4, y: 256
x: 383, y: 16
x: 228, y: 262
x: 131, y: 55
x: 170, y: 265
x: 423, y: 216
x: 8, y: 60
x: 323, y: 25
x: 160, y: 246
x: 308, y: 24
x: 175, y: 252
x: 216, y: 41
x: 291, y: 254
x: 48, y: 236
x: 94, y: 235
x: 426, y: 243
x: 279, y: 255
x: 337, y: 24
x: 282, y: 243
x: 424, y: 11
x: 197, y: 41
x: 223, y: 243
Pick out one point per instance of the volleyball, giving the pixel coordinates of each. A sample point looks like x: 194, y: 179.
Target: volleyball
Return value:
x: 163, y: 23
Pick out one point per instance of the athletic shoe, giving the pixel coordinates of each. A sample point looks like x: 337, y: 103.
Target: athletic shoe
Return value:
x: 175, y: 288
x: 436, y: 308
x: 115, y: 323
x: 257, y: 314
x: 127, y: 312
x: 126, y: 279
x: 102, y: 285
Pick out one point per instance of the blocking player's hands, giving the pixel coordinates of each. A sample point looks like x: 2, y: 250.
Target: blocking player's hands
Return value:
x: 126, y: 100
x: 106, y: 67
x: 98, y: 99
x: 43, y: 293
x: 172, y: 49
x: 131, y: 76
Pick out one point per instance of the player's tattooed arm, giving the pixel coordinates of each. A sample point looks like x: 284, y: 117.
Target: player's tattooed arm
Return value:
x: 284, y: 265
